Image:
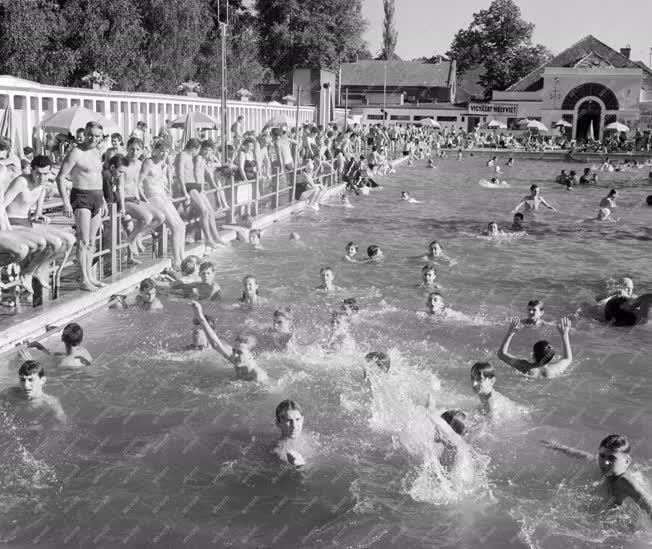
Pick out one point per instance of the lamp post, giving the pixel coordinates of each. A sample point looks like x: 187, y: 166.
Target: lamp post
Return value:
x: 224, y: 119
x: 385, y: 96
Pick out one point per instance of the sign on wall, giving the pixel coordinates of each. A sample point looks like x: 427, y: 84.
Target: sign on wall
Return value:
x: 645, y: 121
x: 493, y: 109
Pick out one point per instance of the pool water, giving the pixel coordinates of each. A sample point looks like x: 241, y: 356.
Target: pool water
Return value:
x: 165, y: 449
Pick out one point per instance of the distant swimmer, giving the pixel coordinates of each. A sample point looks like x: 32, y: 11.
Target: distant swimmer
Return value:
x: 497, y: 168
x: 250, y: 293
x: 346, y: 203
x: 604, y: 214
x: 435, y: 252
x: 543, y: 353
x: 510, y: 162
x: 609, y: 201
x: 435, y: 304
x: 240, y: 355
x: 295, y: 236
x: 491, y: 163
x: 534, y: 314
x: 379, y: 360
x: 289, y: 420
x: 146, y: 299
x: 459, y: 155
x: 517, y: 222
x: 483, y: 378
x: 493, y: 183
x: 562, y: 177
x: 587, y: 178
x: 75, y: 355
x: 405, y: 197
x: 204, y: 288
x: 628, y: 311
x: 429, y: 277
x: 327, y: 280
x: 245, y: 234
x: 607, y: 165
x: 351, y: 252
x: 533, y: 201
x: 614, y: 458
x: 374, y: 253
x: 430, y: 164
x: 491, y: 230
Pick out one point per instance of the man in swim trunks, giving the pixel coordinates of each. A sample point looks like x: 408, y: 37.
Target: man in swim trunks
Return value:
x: 23, y: 194
x: 533, y: 201
x: 609, y: 201
x: 184, y: 165
x: 86, y: 202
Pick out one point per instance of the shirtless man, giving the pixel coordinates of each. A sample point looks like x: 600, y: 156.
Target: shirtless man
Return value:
x: 199, y: 199
x: 153, y: 178
x: 23, y: 194
x: 533, y: 201
x: 133, y: 201
x: 609, y: 201
x: 86, y: 202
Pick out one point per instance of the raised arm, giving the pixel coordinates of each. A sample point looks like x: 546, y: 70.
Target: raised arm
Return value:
x: 572, y: 452
x: 213, y: 339
x: 519, y: 364
x: 559, y: 367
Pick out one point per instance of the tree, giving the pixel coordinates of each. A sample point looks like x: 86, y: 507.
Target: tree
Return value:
x: 390, y: 34
x: 309, y: 33
x: 501, y: 41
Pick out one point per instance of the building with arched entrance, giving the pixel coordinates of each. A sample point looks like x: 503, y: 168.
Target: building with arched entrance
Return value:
x: 589, y: 85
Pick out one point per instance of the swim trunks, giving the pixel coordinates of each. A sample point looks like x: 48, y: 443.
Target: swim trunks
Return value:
x: 191, y: 186
x: 85, y: 199
x: 20, y: 222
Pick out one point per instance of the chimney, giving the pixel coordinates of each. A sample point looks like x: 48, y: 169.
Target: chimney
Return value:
x: 626, y: 51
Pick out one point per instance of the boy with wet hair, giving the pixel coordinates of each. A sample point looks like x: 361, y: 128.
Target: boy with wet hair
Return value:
x: 327, y: 280
x: 517, y: 222
x: 240, y: 355
x: 374, y: 253
x: 614, y: 458
x: 206, y: 288
x: 30, y: 396
x: 75, y: 355
x: 289, y: 420
x: 483, y: 378
x: 535, y: 314
x: 146, y: 298
x: 542, y: 352
x: 378, y: 359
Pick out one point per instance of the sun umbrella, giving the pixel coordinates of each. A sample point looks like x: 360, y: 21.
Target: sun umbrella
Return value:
x: 198, y: 119
x: 70, y: 119
x: 495, y: 124
x: 342, y: 121
x: 281, y: 120
x: 429, y: 122
x: 536, y: 125
x: 9, y: 130
x: 617, y: 126
x: 590, y: 135
x: 522, y: 123
x: 563, y: 124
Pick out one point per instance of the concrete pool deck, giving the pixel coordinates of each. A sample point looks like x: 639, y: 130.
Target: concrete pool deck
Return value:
x: 47, y: 319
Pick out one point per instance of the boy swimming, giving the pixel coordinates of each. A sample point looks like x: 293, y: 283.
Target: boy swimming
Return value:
x: 379, y: 360
x: 289, y: 420
x: 29, y: 396
x: 374, y: 253
x: 483, y: 378
x: 240, y: 355
x: 146, y: 298
x: 491, y: 230
x: 542, y: 352
x: 614, y: 458
x: 405, y: 197
x: 250, y: 293
x: 534, y: 314
x: 517, y: 222
x: 75, y: 355
x: 206, y: 288
x: 429, y: 277
x: 351, y: 252
x: 533, y: 201
x: 327, y: 280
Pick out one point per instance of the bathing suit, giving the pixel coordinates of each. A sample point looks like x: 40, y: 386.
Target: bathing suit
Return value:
x: 191, y: 186
x: 85, y: 199
x: 613, y: 312
x: 20, y: 222
x: 132, y: 199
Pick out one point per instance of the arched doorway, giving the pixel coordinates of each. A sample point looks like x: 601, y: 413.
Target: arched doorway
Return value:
x: 589, y: 113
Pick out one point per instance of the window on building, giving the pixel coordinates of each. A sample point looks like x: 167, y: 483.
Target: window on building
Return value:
x: 418, y: 117
x: 375, y: 117
x: 447, y: 119
x: 400, y: 117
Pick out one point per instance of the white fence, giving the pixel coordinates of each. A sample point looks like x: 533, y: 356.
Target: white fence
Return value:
x: 31, y: 102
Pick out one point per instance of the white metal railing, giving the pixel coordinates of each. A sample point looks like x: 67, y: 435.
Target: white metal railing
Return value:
x: 32, y: 102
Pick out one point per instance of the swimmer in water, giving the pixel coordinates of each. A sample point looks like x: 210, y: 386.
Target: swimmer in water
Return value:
x: 609, y: 201
x: 533, y: 201
x: 543, y: 353
x: 189, y: 270
x: 517, y: 222
x: 435, y: 252
x: 74, y: 356
x: 295, y: 236
x: 459, y: 155
x: 374, y: 254
x: 245, y: 234
x: 327, y: 280
x: 492, y: 162
x: 240, y: 355
x: 623, y: 311
x: 29, y: 398
x: 346, y: 203
x: 614, y: 458
x: 435, y: 304
x: 350, y: 306
x: 510, y: 162
x: 351, y: 252
x: 483, y: 378
x: 491, y: 230
x: 534, y: 314
x: 206, y: 288
x: 624, y: 289
x: 379, y: 360
x: 604, y: 214
x: 146, y: 298
x: 289, y: 420
x: 250, y: 292
x: 429, y: 277
x: 405, y: 197
x: 430, y: 164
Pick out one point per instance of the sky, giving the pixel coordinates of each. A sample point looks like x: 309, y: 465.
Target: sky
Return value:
x: 426, y: 27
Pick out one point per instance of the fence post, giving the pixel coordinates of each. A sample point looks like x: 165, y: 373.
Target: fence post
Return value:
x: 113, y: 235
x: 254, y: 195
x: 231, y: 214
x: 277, y: 177
x: 294, y: 185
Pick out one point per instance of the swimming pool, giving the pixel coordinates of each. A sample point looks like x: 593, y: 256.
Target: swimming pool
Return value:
x: 165, y: 449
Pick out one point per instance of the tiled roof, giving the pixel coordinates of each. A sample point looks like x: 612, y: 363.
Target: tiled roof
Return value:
x: 569, y: 57
x: 399, y: 73
x: 467, y: 84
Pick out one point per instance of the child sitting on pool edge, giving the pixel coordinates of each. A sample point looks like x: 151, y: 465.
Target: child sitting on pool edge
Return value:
x: 240, y: 355
x: 289, y: 420
x: 614, y: 458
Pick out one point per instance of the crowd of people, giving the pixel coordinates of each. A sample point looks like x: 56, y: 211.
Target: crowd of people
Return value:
x: 194, y: 278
